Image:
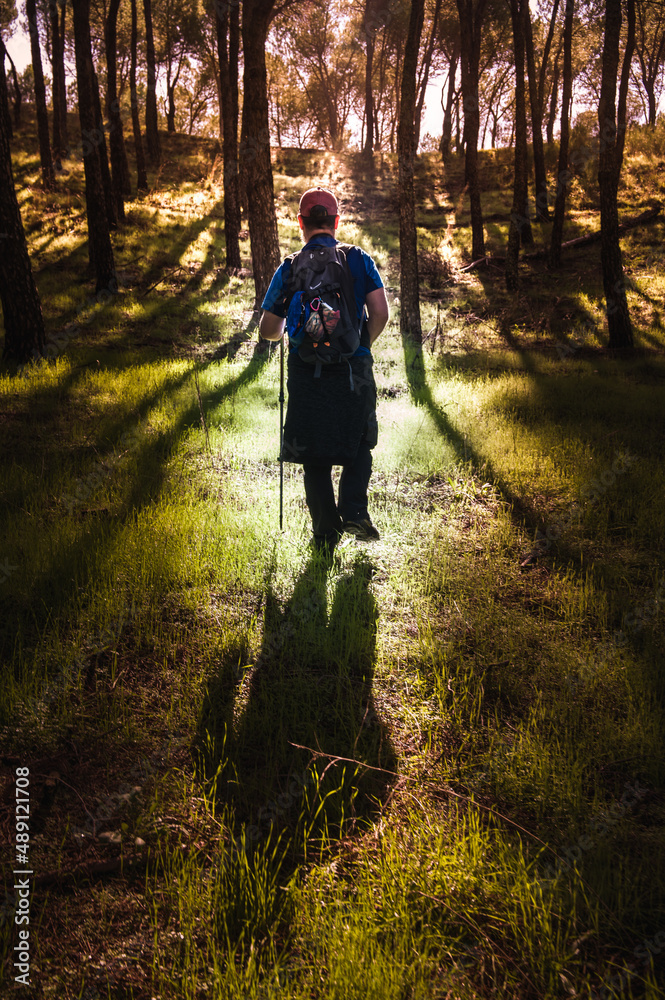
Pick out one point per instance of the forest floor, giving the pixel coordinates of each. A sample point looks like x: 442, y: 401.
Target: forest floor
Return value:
x: 432, y: 770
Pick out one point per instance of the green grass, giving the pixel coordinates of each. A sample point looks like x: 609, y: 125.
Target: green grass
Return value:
x: 433, y: 771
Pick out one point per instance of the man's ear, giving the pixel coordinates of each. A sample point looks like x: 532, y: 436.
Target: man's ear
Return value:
x: 300, y: 221
x: 336, y: 221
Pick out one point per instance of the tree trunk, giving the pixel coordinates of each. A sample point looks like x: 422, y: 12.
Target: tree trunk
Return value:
x: 48, y: 173
x: 369, y: 95
x: 4, y: 96
x: 142, y: 177
x: 119, y: 166
x: 151, y: 133
x: 554, y: 95
x: 542, y: 211
x: 447, y: 131
x: 228, y: 69
x: 519, y: 220
x: 409, y: 322
x: 470, y: 31
x: 421, y: 87
x: 62, y: 83
x: 563, y: 174
x: 18, y: 96
x: 255, y: 150
x: 625, y: 82
x: 21, y: 308
x: 58, y: 67
x: 100, y: 141
x: 546, y: 55
x: 618, y: 317
x: 99, y: 239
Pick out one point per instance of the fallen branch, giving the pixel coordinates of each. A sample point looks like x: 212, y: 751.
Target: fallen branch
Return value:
x: 643, y: 219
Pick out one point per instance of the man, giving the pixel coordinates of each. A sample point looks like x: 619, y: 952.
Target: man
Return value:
x: 331, y: 414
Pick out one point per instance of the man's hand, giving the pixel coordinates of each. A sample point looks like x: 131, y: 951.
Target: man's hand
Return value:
x: 271, y: 327
x: 378, y: 312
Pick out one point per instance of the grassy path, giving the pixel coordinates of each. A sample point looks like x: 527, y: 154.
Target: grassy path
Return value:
x: 434, y: 771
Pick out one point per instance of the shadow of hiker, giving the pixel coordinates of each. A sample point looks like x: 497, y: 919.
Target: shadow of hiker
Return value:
x: 305, y: 721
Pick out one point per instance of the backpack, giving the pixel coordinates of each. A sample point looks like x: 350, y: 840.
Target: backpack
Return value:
x: 322, y: 316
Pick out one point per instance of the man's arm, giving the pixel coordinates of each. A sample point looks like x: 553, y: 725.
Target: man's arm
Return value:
x: 271, y: 327
x: 378, y: 312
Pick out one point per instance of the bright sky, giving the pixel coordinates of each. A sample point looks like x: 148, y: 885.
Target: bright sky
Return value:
x: 18, y: 47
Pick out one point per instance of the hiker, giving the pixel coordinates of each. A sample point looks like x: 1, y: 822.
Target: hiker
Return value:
x: 331, y: 300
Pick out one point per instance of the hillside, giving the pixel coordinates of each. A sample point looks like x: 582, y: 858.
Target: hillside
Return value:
x: 433, y: 769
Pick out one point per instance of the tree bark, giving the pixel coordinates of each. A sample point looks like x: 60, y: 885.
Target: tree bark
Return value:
x: 554, y: 95
x: 471, y: 21
x: 4, y: 96
x: 48, y: 173
x: 519, y: 220
x: 254, y: 152
x: 18, y: 96
x: 151, y: 133
x: 563, y: 174
x: 21, y: 308
x: 228, y: 75
x: 447, y: 130
x: 542, y: 210
x: 119, y: 164
x: 421, y: 87
x: 100, y: 142
x: 546, y: 55
x: 410, y: 325
x: 625, y: 82
x: 370, y: 32
x: 142, y: 177
x: 60, y: 142
x: 99, y: 239
x: 618, y: 317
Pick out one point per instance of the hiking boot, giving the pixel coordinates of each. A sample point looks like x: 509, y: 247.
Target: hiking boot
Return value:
x: 363, y: 529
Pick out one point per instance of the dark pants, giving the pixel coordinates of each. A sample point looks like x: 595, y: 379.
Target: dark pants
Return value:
x: 327, y: 516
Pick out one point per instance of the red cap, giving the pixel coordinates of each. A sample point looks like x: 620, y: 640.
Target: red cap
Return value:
x: 318, y: 198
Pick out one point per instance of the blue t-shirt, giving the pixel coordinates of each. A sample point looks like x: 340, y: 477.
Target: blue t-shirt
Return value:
x: 366, y: 279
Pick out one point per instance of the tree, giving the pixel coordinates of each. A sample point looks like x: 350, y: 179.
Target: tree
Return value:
x: 4, y: 96
x: 177, y: 32
x: 625, y: 81
x: 57, y: 10
x: 48, y: 173
x: 99, y: 239
x: 410, y: 326
x: 471, y: 14
x: 542, y: 211
x: 254, y: 151
x: 228, y: 43
x: 453, y: 59
x: 327, y: 61
x: 21, y: 308
x: 151, y: 133
x: 119, y: 166
x: 290, y: 119
x: 650, y: 48
x: 370, y: 26
x: 17, y: 94
x: 519, y: 221
x: 616, y: 303
x: 142, y: 178
x: 563, y: 172
x: 429, y: 57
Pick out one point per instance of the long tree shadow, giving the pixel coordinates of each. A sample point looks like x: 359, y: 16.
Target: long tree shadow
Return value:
x: 422, y: 396
x: 71, y: 566
x: 300, y: 747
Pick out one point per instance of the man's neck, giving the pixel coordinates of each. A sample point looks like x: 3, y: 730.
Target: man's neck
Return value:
x: 317, y: 232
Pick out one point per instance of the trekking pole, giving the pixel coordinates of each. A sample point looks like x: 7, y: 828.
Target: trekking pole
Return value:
x: 281, y: 431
